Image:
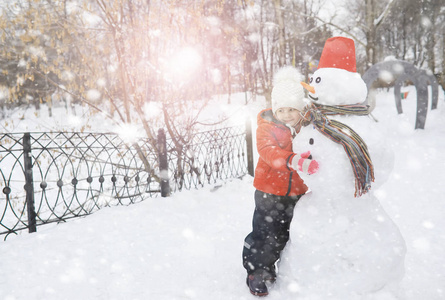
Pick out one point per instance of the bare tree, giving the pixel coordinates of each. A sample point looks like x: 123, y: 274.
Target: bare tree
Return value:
x: 137, y: 62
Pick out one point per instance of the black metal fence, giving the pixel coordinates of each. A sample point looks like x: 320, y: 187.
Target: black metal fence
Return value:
x: 53, y: 177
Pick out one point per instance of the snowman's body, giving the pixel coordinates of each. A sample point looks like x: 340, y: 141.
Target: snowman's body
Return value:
x: 339, y: 241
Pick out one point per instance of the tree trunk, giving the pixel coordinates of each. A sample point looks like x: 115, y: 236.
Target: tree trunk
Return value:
x: 370, y: 33
x: 442, y: 75
x: 281, y: 33
x: 431, y: 43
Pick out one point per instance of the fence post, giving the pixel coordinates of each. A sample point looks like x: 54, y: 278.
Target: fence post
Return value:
x: 249, y: 145
x: 163, y: 163
x: 29, y: 185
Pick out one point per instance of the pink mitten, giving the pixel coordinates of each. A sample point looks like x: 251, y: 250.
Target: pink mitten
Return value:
x: 304, y: 163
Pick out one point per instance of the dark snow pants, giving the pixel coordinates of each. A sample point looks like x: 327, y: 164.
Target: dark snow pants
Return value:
x: 271, y: 221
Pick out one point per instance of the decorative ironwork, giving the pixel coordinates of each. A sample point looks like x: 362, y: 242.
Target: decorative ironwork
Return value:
x: 53, y: 177
x: 208, y: 157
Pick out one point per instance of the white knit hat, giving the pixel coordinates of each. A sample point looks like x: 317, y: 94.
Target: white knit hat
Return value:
x: 287, y: 90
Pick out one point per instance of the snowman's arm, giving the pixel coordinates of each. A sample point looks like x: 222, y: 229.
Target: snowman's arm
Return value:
x: 270, y: 151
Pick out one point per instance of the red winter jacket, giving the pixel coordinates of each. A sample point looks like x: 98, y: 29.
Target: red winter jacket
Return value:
x: 273, y: 174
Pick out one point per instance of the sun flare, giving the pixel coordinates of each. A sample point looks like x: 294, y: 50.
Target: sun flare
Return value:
x: 183, y: 64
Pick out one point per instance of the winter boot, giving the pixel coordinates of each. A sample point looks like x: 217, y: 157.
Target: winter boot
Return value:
x: 257, y: 282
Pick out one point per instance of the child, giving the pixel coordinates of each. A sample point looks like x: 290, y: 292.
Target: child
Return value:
x: 278, y: 185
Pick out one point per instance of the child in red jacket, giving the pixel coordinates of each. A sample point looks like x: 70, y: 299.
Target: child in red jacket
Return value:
x: 278, y: 185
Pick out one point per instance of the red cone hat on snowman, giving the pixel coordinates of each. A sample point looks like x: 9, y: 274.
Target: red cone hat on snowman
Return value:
x: 336, y: 81
x: 338, y: 52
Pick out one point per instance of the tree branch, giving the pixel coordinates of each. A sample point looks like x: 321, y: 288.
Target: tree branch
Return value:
x: 381, y: 18
x: 58, y: 86
x: 337, y: 27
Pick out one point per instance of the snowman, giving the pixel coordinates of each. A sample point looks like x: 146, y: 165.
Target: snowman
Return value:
x: 342, y: 240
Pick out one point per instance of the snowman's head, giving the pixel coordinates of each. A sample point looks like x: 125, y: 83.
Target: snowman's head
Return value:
x: 333, y: 86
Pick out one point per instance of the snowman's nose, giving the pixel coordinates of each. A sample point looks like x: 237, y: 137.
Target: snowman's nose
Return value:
x: 308, y: 87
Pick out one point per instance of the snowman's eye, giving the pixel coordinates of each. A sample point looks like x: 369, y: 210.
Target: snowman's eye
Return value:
x: 318, y: 80
x: 310, y: 80
x: 311, y: 141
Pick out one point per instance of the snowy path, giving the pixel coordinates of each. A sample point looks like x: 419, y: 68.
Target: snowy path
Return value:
x: 184, y: 247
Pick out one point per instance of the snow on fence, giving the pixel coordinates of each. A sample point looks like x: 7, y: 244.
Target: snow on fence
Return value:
x: 52, y: 177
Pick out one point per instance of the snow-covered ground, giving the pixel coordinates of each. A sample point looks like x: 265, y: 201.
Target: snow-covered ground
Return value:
x: 189, y: 246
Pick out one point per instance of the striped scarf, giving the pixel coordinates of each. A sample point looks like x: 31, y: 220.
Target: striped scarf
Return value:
x: 340, y: 133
